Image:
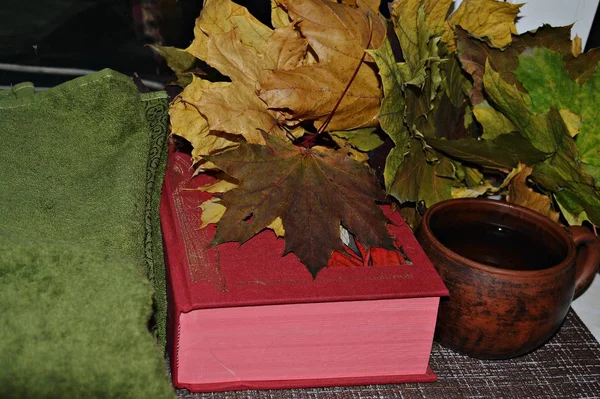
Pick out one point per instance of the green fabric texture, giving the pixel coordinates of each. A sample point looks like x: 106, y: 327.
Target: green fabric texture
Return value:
x: 75, y: 236
x: 156, y: 107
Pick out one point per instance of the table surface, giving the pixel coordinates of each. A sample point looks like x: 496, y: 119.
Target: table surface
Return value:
x: 568, y: 366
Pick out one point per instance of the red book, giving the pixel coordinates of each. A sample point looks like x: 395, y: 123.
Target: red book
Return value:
x: 243, y: 317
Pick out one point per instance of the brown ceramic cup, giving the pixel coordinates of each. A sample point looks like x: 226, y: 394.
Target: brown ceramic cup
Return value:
x: 511, y: 273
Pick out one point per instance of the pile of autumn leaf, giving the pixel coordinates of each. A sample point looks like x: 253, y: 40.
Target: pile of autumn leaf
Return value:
x: 471, y: 108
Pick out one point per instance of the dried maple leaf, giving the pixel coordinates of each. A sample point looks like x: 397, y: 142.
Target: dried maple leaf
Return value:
x: 188, y: 122
x: 521, y: 194
x: 221, y: 16
x: 313, y: 192
x: 338, y: 34
x: 236, y: 108
x: 493, y: 21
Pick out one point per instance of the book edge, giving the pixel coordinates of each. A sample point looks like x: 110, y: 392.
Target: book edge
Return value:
x: 428, y: 376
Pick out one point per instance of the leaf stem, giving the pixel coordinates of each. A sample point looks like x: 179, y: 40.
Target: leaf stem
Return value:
x: 339, y: 101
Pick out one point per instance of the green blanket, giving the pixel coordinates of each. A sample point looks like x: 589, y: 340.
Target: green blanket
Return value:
x: 80, y: 173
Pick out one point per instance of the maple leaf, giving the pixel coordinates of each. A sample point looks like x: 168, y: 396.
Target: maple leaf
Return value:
x: 180, y: 61
x: 312, y: 191
x: 544, y: 75
x: 189, y: 123
x: 473, y: 53
x: 338, y: 34
x: 493, y: 21
x: 222, y: 16
x: 562, y: 172
x: 412, y: 172
x: 419, y: 179
x: 521, y: 194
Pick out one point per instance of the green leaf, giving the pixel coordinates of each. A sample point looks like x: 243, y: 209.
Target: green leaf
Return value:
x: 365, y: 139
x: 456, y: 84
x: 544, y: 75
x: 180, y: 62
x: 473, y: 54
x: 452, y: 122
x: 503, y: 152
x: 571, y: 210
x: 414, y: 38
x: 392, y: 112
x: 394, y: 160
x: 494, y: 123
x: 562, y: 174
x: 419, y: 180
x: 515, y: 106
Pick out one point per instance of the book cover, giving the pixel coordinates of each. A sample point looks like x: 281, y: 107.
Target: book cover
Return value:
x: 243, y: 317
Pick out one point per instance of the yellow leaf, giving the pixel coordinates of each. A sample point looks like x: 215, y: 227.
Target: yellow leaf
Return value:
x: 353, y: 153
x: 486, y: 188
x: 338, y: 34
x: 231, y: 57
x: 188, y: 122
x: 221, y: 16
x: 220, y: 186
x: 277, y: 227
x: 236, y: 109
x: 576, y: 46
x: 493, y: 122
x: 572, y: 121
x: 405, y: 12
x: 491, y: 20
x: 365, y: 5
x: 203, y: 166
x: 311, y: 92
x: 212, y: 211
x: 279, y: 17
x: 336, y: 31
x: 521, y: 194
x: 285, y: 49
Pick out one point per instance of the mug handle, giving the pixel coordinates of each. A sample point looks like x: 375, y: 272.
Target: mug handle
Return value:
x: 588, y: 257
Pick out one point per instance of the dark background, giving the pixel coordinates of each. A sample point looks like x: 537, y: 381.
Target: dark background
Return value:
x: 96, y: 34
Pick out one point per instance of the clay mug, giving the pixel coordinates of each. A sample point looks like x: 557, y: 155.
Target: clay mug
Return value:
x: 512, y: 274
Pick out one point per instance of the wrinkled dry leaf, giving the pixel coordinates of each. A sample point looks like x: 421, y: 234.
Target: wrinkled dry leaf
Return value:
x: 493, y: 21
x: 279, y: 17
x: 220, y: 186
x: 494, y: 123
x: 366, y: 139
x: 521, y: 194
x: 485, y: 187
x: 180, y: 61
x: 189, y: 123
x: 222, y: 16
x: 573, y: 121
x: 543, y: 73
x: 312, y: 192
x: 419, y: 50
x: 311, y: 92
x: 473, y: 54
x: 577, y: 46
x: 277, y: 227
x: 338, y: 34
x: 235, y: 108
x: 345, y: 146
x: 212, y: 211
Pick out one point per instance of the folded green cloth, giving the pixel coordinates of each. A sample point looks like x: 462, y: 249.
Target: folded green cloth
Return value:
x: 80, y: 183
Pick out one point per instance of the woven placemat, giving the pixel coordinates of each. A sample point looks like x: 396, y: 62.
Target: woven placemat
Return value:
x: 568, y: 366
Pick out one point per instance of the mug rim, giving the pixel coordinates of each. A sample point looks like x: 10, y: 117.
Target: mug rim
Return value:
x: 499, y: 204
